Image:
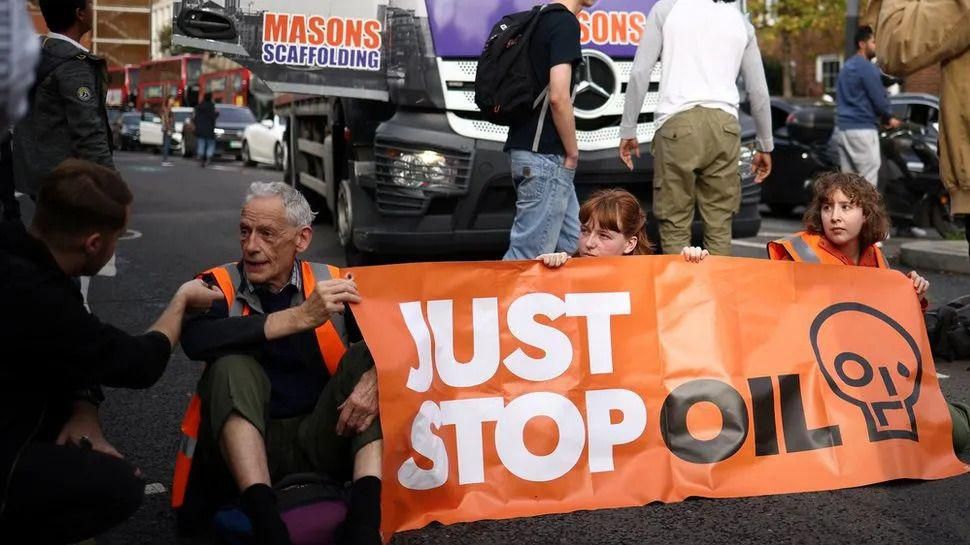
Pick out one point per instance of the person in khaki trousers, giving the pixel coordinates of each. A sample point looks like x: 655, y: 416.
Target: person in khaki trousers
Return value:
x: 698, y: 138
x: 911, y: 35
x: 696, y: 161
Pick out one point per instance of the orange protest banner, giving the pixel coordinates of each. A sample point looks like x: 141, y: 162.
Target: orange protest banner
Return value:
x: 509, y: 390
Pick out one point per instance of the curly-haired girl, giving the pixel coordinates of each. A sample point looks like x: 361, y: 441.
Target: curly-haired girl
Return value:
x: 844, y: 224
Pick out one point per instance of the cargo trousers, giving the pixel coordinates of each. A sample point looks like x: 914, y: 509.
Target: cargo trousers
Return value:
x: 696, y: 165
x: 302, y: 444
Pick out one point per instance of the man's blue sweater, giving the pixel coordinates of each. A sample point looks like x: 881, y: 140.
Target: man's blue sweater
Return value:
x: 861, y: 99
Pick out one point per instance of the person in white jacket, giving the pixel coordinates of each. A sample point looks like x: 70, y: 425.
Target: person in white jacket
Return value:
x: 703, y: 45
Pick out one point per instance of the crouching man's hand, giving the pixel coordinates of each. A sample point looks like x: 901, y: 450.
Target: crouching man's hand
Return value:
x: 198, y: 296
x: 83, y: 430
x: 360, y: 409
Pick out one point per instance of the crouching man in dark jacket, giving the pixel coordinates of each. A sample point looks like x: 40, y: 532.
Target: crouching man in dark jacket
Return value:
x: 60, y: 481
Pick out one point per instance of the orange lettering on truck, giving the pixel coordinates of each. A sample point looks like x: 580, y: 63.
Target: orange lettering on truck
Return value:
x: 274, y: 27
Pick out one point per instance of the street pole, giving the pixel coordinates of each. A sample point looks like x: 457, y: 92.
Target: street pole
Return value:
x: 851, y: 24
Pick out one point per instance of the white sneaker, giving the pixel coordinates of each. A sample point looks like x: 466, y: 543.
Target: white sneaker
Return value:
x: 918, y: 232
x: 167, y: 164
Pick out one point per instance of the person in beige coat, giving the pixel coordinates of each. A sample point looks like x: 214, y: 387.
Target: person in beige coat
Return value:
x: 914, y: 34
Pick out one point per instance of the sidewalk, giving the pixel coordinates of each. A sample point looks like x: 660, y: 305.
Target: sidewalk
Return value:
x: 937, y: 255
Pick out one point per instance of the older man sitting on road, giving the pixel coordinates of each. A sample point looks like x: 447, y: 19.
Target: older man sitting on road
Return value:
x: 283, y: 392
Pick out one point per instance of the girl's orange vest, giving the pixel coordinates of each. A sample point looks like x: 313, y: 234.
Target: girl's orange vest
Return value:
x: 806, y: 247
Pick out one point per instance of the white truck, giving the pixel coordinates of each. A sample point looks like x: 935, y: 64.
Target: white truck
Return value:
x: 382, y: 123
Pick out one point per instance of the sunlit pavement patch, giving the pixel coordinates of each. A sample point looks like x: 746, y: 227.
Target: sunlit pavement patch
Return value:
x: 147, y: 168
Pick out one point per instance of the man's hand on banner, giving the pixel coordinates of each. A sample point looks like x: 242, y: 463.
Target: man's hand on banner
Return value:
x: 360, y: 409
x: 328, y: 298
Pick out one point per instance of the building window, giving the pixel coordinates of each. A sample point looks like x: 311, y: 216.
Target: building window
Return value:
x: 827, y: 71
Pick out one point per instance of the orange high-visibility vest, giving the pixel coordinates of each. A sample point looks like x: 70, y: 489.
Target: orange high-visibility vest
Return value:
x: 806, y: 247
x: 331, y: 338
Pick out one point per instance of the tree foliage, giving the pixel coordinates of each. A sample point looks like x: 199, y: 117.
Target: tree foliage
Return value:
x: 786, y: 22
x: 165, y: 41
x: 792, y: 17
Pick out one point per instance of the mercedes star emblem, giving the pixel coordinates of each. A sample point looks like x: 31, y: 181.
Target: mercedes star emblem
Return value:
x: 596, y: 84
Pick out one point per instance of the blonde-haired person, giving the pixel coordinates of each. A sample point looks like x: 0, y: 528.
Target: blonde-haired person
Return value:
x: 612, y: 223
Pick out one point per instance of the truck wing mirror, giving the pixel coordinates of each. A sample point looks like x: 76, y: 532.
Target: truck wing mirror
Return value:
x: 206, y: 24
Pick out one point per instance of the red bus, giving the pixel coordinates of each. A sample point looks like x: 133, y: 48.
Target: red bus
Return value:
x: 227, y: 86
x: 176, y: 77
x: 122, y: 86
x: 238, y: 87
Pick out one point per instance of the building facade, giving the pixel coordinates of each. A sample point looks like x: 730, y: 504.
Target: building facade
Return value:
x: 122, y: 30
x: 817, y: 57
x: 121, y: 33
x: 162, y: 14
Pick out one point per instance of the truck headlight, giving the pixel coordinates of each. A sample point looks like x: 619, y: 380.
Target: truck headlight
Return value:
x: 746, y: 160
x: 421, y: 169
x: 218, y: 131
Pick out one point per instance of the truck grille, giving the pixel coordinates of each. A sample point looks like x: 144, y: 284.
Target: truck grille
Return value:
x: 406, y: 185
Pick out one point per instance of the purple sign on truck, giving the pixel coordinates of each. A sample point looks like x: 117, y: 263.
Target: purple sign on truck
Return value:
x: 459, y: 28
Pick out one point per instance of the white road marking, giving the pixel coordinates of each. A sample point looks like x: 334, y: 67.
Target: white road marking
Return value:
x: 17, y: 194
x: 748, y: 244
x: 941, y: 375
x: 774, y: 235
x: 155, y: 488
x: 85, y: 284
x: 130, y: 234
x: 109, y: 268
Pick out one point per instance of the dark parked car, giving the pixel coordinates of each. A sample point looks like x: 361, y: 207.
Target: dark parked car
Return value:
x: 803, y: 130
x: 794, y: 162
x: 918, y: 109
x: 124, y: 131
x: 230, y: 124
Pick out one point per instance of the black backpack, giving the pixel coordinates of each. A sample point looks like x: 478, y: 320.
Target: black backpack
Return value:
x: 948, y: 328
x: 505, y: 83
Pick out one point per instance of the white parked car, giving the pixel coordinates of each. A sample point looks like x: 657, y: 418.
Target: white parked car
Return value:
x: 263, y: 143
x: 150, y: 128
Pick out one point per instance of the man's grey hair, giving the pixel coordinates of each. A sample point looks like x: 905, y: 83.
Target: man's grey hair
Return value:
x: 298, y: 211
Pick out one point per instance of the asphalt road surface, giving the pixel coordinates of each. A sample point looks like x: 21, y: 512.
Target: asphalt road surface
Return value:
x: 185, y: 220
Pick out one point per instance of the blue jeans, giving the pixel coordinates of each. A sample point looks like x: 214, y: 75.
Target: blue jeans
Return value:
x: 205, y: 147
x: 546, y: 207
x: 166, y: 145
